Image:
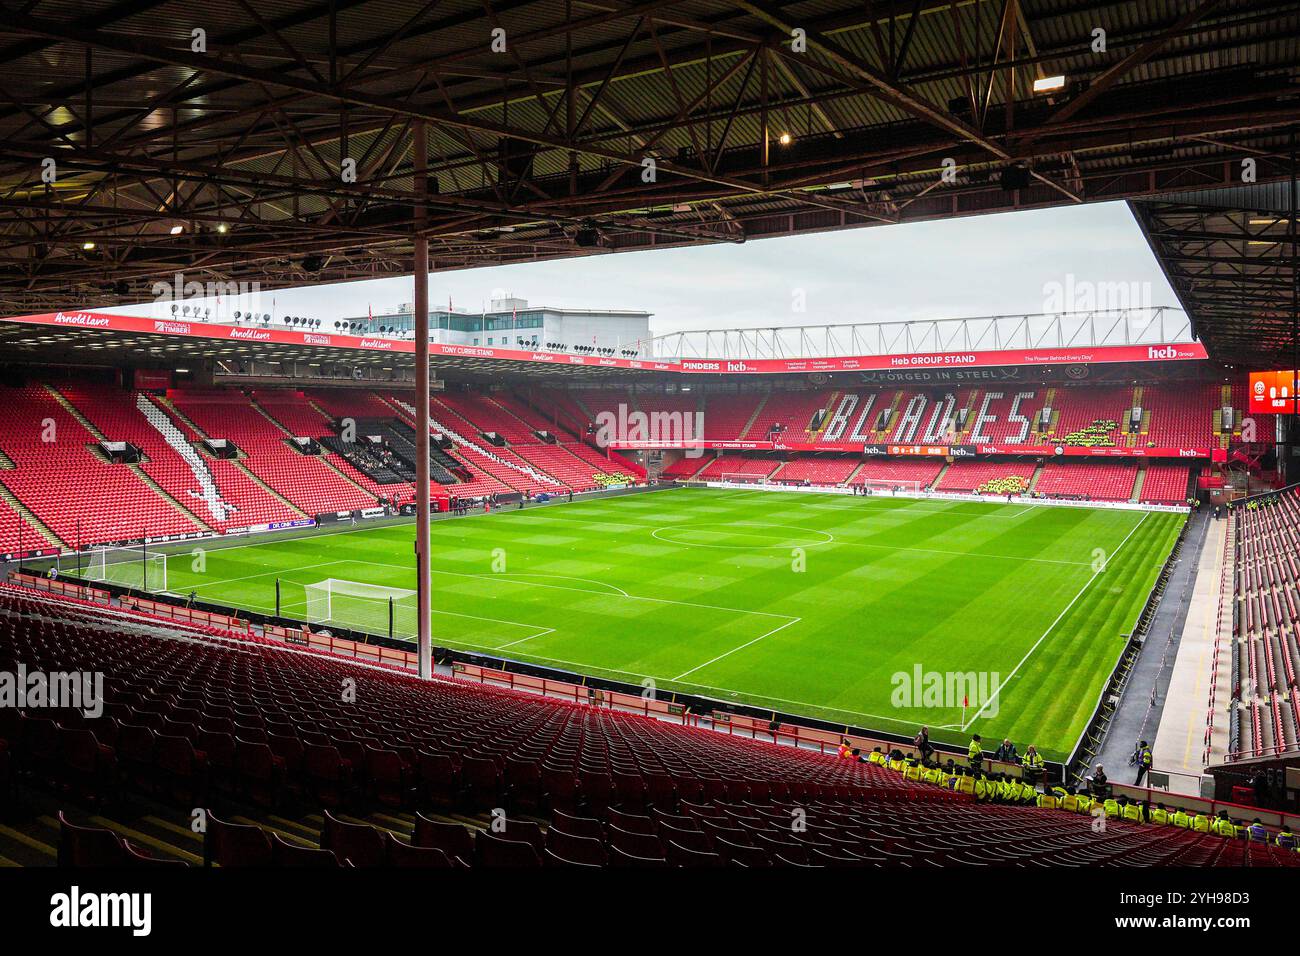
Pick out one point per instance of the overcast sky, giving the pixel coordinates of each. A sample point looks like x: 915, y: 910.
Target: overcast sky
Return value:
x: 1062, y: 259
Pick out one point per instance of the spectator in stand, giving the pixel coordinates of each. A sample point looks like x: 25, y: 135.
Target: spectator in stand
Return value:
x: 846, y: 749
x: 922, y: 743
x: 1285, y: 838
x: 1006, y: 751
x: 1098, y: 784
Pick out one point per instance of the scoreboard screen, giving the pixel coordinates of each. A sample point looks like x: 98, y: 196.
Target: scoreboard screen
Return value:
x: 1272, y: 393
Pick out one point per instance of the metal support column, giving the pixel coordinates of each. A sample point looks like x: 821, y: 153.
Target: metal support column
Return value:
x: 424, y: 633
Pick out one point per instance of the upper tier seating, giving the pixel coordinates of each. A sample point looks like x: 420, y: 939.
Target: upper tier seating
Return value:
x: 725, y: 416
x: 1174, y: 416
x: 791, y: 410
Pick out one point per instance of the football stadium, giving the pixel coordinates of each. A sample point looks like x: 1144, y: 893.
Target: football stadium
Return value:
x: 297, y: 575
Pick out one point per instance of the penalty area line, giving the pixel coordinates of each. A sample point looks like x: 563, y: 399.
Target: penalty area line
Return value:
x: 774, y: 630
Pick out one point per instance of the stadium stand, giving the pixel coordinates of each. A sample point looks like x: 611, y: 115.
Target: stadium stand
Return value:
x: 1265, y: 698
x: 793, y: 411
x: 194, y: 714
x: 1097, y: 481
x: 908, y: 470
x: 726, y: 417
x: 71, y: 489
x: 179, y: 488
x: 817, y: 471
x: 1165, y: 484
x: 17, y: 534
x: 686, y: 467
x: 219, y: 494
x: 987, y: 477
x: 738, y: 465
x: 309, y: 484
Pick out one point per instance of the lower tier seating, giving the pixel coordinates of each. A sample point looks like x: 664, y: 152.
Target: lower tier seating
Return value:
x: 192, y: 716
x: 987, y: 477
x: 1098, y: 481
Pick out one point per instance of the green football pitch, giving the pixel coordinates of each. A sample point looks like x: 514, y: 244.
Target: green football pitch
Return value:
x: 821, y: 605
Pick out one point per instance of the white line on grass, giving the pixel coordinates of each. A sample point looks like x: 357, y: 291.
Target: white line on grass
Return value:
x: 722, y: 690
x: 1051, y: 627
x: 543, y: 633
x: 262, y: 574
x: 538, y: 631
x: 562, y: 577
x: 740, y: 648
x: 560, y: 587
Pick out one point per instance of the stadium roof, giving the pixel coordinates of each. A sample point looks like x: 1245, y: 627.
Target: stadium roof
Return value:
x: 1229, y: 258
x: 139, y: 138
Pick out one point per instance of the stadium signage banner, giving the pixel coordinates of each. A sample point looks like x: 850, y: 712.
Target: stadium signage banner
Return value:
x: 912, y: 451
x: 1192, y: 351
x: 941, y: 376
x: 914, y: 362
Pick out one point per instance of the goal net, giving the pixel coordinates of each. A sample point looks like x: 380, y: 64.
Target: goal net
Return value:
x: 362, y: 607
x: 743, y: 478
x: 128, y: 567
x: 889, y: 486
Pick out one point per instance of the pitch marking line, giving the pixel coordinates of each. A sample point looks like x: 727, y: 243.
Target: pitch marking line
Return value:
x: 774, y: 630
x: 789, y: 619
x: 537, y: 631
x: 1051, y: 627
x: 262, y: 574
x: 562, y: 577
x: 908, y: 721
x: 560, y: 587
x: 780, y: 545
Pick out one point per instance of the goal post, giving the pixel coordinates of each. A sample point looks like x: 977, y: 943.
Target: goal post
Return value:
x: 136, y: 568
x: 742, y: 478
x: 889, y: 486
x: 358, y: 606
